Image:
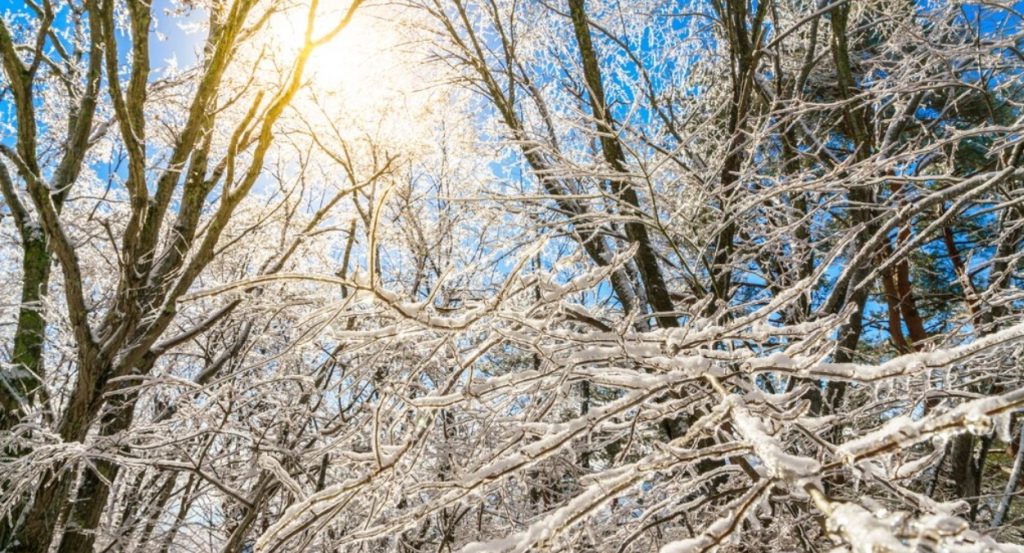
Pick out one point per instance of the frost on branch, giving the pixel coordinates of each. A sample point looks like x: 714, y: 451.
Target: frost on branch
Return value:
x: 503, y: 276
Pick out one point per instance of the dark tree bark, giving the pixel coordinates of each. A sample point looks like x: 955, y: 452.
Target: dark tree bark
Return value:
x: 646, y: 258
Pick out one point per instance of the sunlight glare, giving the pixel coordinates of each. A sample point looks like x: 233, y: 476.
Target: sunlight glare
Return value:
x: 365, y: 73
x: 345, y: 59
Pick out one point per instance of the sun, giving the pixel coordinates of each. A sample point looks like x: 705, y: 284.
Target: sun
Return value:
x: 345, y: 57
x: 367, y: 75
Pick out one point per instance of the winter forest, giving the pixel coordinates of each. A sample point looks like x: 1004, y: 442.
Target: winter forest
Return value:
x: 479, y: 276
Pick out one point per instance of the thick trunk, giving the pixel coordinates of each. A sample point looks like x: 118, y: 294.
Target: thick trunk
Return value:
x: 646, y: 258
x: 36, y: 532
x: 84, y: 518
x: 94, y: 490
x: 584, y: 225
x: 744, y: 30
x: 908, y: 306
x: 892, y: 303
x: 901, y: 304
x: 22, y: 380
x: 964, y: 468
x: 856, y: 126
x: 52, y: 496
x: 26, y: 370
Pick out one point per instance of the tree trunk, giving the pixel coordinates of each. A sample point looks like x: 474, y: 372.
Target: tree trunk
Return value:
x: 964, y: 468
x: 855, y: 121
x: 36, y: 533
x: 23, y: 378
x: 94, y: 491
x: 646, y: 258
x: 27, y: 360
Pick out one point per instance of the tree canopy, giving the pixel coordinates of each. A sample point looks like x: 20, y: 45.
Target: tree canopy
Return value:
x: 511, y: 275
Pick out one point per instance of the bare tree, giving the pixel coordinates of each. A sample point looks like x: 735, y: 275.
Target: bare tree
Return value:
x: 575, y: 276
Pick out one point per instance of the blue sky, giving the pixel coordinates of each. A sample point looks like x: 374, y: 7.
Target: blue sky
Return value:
x: 172, y: 40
